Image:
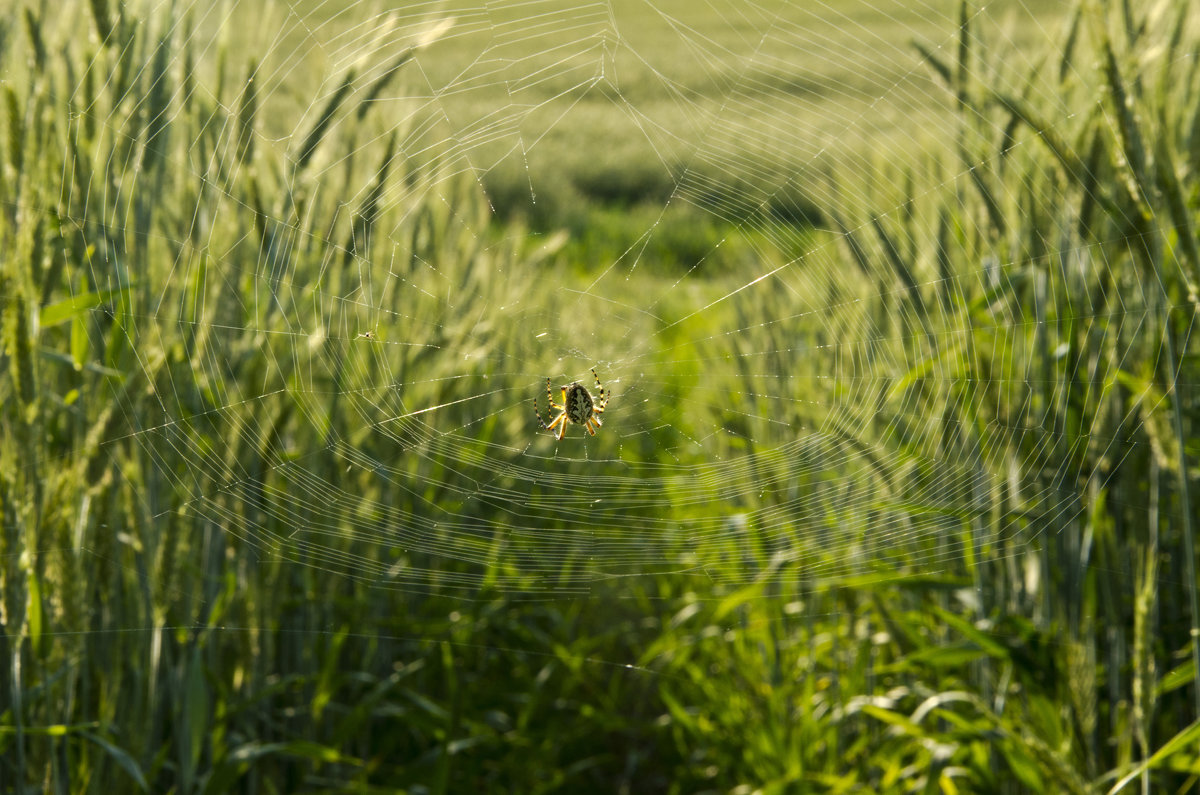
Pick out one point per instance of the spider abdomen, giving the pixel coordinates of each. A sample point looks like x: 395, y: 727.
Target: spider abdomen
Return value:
x: 579, y: 403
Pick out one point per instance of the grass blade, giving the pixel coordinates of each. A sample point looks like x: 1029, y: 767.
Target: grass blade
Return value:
x: 122, y: 758
x: 1185, y: 739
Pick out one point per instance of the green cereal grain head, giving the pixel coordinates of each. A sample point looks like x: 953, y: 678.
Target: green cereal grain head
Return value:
x: 158, y: 107
x: 18, y: 343
x: 103, y: 19
x: 317, y: 133
x: 16, y: 129
x: 246, y: 116
x: 37, y: 45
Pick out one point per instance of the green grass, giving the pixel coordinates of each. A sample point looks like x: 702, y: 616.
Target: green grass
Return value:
x: 619, y: 103
x: 958, y: 556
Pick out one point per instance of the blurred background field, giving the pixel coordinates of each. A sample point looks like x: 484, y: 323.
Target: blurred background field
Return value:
x: 895, y: 491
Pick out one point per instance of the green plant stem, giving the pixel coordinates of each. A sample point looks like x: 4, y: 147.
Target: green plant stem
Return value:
x: 1185, y: 507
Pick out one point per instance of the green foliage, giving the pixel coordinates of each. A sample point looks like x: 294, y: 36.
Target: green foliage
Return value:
x: 1029, y: 625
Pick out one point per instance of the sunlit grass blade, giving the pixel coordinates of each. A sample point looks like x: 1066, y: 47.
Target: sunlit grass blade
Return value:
x: 1182, y: 741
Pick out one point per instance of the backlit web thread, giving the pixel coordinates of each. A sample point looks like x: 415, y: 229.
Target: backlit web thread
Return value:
x: 512, y: 505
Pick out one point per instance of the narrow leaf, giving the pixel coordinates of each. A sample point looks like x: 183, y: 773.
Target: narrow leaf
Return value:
x: 127, y: 762
x: 1186, y: 739
x: 76, y: 305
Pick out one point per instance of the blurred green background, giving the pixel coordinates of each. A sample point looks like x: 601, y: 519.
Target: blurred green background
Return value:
x: 896, y: 490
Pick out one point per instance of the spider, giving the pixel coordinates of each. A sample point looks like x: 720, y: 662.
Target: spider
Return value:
x: 578, y: 406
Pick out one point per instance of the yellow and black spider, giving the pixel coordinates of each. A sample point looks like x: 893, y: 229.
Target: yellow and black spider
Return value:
x: 577, y: 406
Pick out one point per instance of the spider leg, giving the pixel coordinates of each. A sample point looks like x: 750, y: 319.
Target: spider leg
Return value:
x: 537, y: 412
x: 550, y: 398
x: 561, y: 422
x: 603, y: 395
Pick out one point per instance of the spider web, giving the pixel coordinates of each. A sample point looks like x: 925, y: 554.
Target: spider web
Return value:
x: 374, y: 279
x: 368, y: 336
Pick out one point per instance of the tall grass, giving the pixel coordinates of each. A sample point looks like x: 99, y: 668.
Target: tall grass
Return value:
x: 1059, y: 394
x: 196, y: 592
